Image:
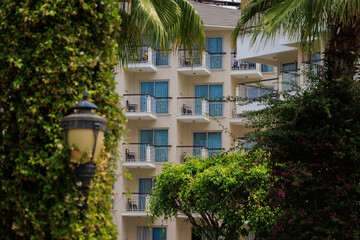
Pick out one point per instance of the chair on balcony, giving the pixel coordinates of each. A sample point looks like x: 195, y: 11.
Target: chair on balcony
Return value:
x: 183, y: 157
x: 186, y: 110
x: 131, y: 205
x: 130, y: 156
x: 130, y: 106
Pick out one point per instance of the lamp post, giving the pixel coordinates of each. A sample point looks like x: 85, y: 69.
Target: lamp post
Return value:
x: 84, y: 136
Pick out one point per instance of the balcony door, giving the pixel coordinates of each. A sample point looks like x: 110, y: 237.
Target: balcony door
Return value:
x: 213, y: 92
x: 290, y: 70
x: 158, y: 139
x: 214, y: 47
x: 211, y: 140
x: 145, y: 187
x: 160, y: 90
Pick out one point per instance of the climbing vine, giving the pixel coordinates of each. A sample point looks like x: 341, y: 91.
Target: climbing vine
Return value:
x: 51, y: 51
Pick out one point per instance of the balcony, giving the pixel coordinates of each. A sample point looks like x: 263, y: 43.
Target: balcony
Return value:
x: 145, y: 62
x: 139, y: 155
x: 216, y: 60
x: 161, y: 58
x: 184, y: 151
x: 289, y: 80
x: 193, y: 110
x: 135, y: 205
x: 194, y: 63
x: 315, y: 67
x: 246, y: 92
x: 140, y: 106
x: 243, y: 69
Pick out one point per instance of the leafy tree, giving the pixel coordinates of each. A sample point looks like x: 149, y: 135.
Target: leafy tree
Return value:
x: 218, y: 195
x: 162, y: 24
x: 51, y: 51
x: 336, y: 22
x: 312, y: 136
x: 314, y: 143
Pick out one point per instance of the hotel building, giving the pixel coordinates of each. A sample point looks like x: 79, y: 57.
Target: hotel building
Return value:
x: 169, y: 99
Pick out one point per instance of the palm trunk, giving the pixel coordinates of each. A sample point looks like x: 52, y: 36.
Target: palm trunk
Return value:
x: 343, y: 49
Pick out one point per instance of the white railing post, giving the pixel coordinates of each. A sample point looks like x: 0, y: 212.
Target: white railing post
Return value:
x: 203, y: 59
x: 302, y: 78
x: 147, y: 202
x: 203, y: 107
x: 148, y: 103
x: 148, y: 153
x: 281, y: 83
x: 150, y: 53
x: 203, y: 153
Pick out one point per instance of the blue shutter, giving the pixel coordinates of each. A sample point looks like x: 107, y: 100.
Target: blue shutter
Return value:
x: 146, y: 136
x: 214, y: 141
x: 199, y: 141
x: 215, y: 93
x: 214, y: 45
x: 145, y: 187
x: 202, y: 92
x: 161, y: 139
x: 146, y: 88
x: 159, y: 234
x: 162, y: 90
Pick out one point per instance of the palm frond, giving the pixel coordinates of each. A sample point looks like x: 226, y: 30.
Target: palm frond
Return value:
x: 302, y: 21
x: 161, y: 24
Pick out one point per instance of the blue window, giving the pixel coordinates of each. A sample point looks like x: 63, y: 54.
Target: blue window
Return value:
x: 267, y: 68
x: 316, y: 61
x: 159, y: 140
x: 254, y: 92
x: 211, y: 140
x: 159, y: 233
x: 162, y: 58
x: 145, y: 188
x: 155, y: 233
x: 214, y: 93
x: 290, y: 75
x: 160, y: 90
x: 214, y: 47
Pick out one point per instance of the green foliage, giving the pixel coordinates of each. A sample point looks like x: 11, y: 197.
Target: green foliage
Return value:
x: 216, y: 194
x: 51, y: 51
x: 314, y: 143
x: 161, y: 24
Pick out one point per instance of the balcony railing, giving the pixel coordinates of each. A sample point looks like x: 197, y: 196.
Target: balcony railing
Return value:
x: 216, y: 60
x: 139, y: 152
x: 136, y: 202
x: 162, y: 105
x: 146, y: 103
x: 252, y: 90
x: 162, y: 153
x: 214, y: 151
x: 140, y: 103
x: 161, y: 58
x: 314, y: 66
x: 146, y: 152
x: 145, y: 55
x: 242, y: 65
x: 184, y: 151
x: 194, y: 59
x: 189, y: 106
x: 290, y: 80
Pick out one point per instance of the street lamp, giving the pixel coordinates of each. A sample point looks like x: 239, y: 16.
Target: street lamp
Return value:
x: 84, y: 136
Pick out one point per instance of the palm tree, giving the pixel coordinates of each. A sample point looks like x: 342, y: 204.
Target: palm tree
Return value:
x: 163, y: 24
x: 336, y: 22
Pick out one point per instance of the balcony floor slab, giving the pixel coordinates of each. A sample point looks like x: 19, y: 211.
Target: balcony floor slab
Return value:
x: 193, y: 118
